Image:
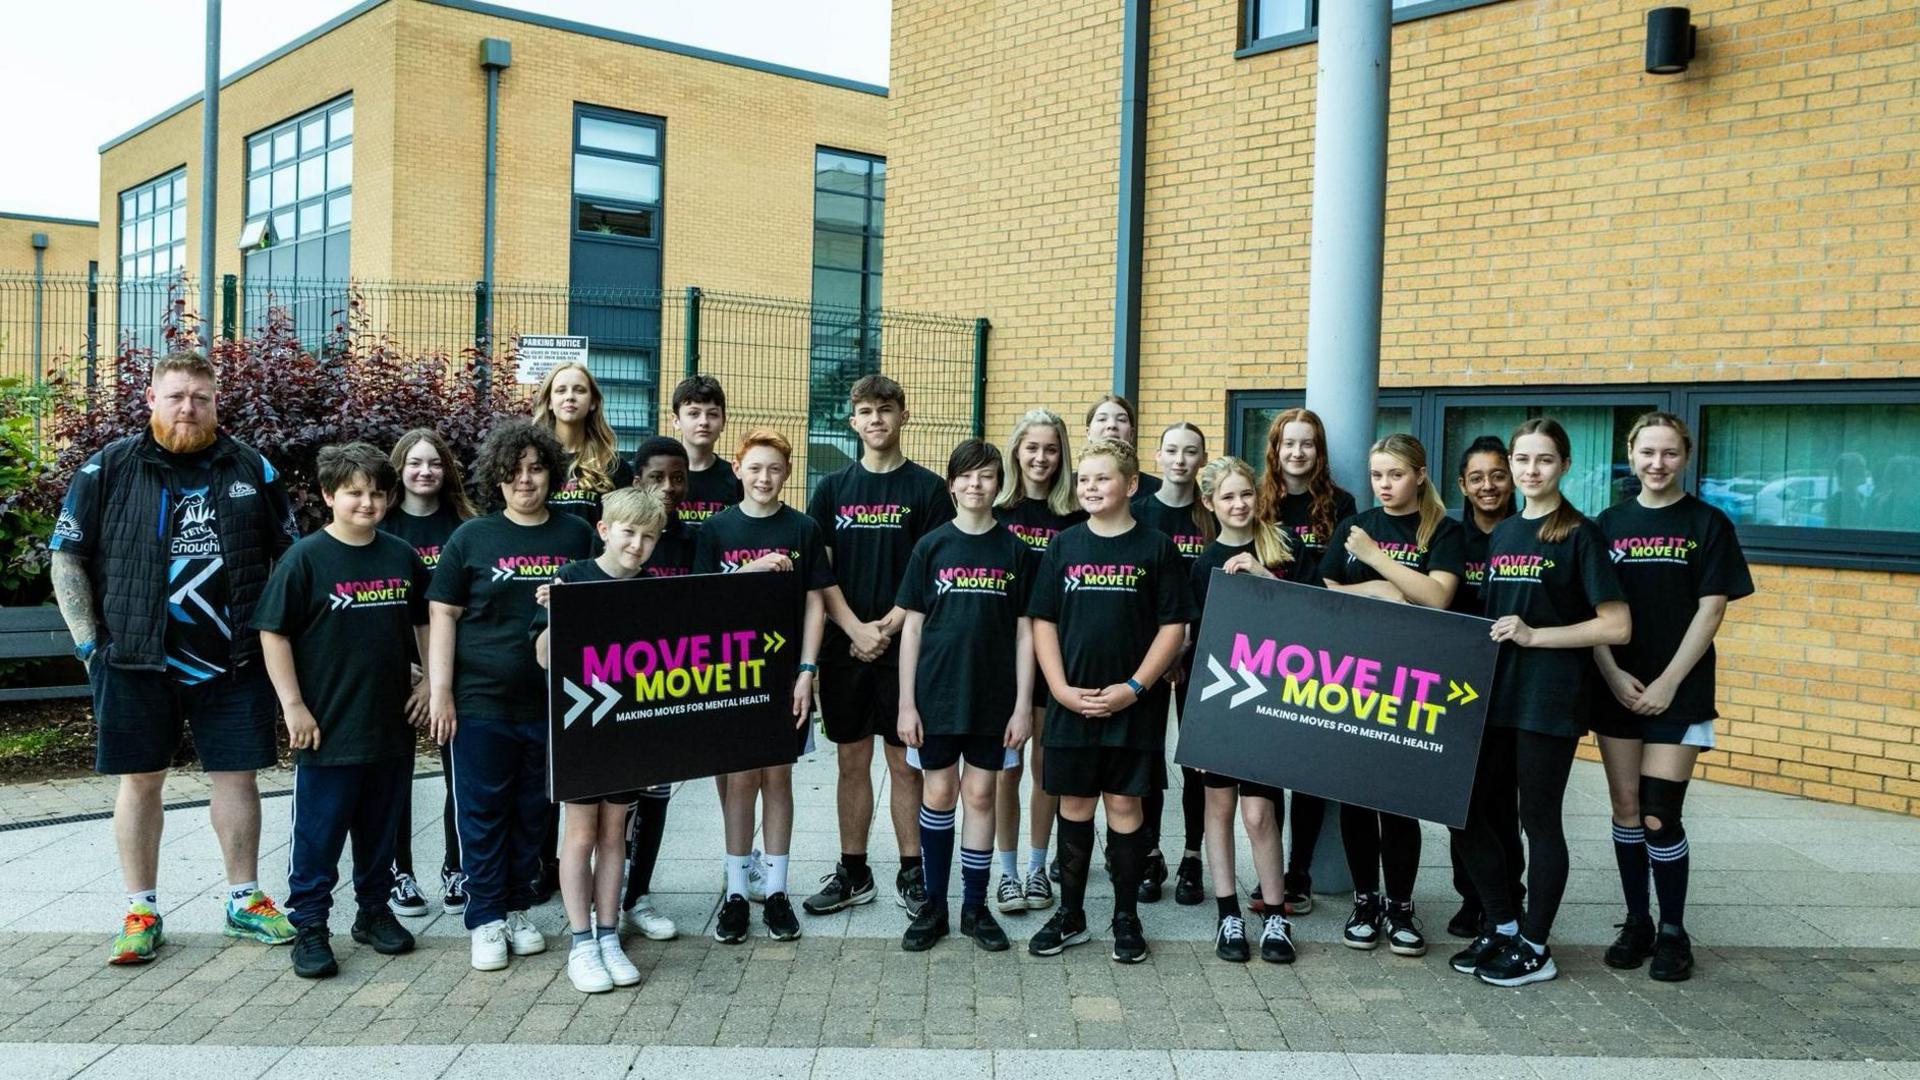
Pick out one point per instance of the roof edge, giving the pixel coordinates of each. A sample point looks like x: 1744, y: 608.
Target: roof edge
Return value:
x: 10, y: 216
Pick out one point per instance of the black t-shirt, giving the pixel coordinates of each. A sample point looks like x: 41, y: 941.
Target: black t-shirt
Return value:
x: 349, y: 612
x: 1176, y: 521
x: 1218, y: 554
x: 576, y: 498
x: 1545, y: 584
x: 673, y: 555
x: 1295, y: 513
x: 1467, y: 598
x: 1108, y: 597
x: 973, y: 591
x: 1398, y: 536
x: 571, y: 574
x: 491, y: 567
x: 1149, y: 484
x: 1667, y: 559
x: 709, y: 491
x: 731, y: 539
x: 871, y: 522
x: 1035, y: 523
x: 427, y: 534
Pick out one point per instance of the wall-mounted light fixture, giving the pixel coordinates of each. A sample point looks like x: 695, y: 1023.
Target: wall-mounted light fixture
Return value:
x: 1669, y: 40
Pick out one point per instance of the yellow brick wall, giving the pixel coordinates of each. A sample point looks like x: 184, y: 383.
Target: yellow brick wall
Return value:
x: 1554, y: 215
x: 69, y: 246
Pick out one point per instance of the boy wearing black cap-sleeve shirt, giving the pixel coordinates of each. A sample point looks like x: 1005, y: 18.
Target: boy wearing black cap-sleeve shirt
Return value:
x: 699, y: 416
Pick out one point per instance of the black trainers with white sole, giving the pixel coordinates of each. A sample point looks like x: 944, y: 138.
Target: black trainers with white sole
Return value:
x: 1129, y: 940
x: 404, y: 898
x: 1517, y: 964
x: 1480, y: 950
x: 1065, y: 930
x: 1276, y: 940
x: 1230, y: 940
x: 1363, y: 926
x: 1403, y: 930
x: 777, y: 913
x: 735, y: 921
x: 838, y: 891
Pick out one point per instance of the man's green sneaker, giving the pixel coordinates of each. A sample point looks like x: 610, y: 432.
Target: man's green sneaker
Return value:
x: 140, y: 937
x: 258, y: 919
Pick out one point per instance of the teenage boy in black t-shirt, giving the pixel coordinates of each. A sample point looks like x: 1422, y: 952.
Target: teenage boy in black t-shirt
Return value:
x: 872, y: 513
x: 660, y: 466
x: 335, y: 622
x: 1110, y: 608
x: 699, y: 416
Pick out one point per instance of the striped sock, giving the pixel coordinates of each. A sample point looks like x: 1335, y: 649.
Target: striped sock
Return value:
x: 936, y: 852
x: 973, y: 878
x: 1670, y: 866
x: 1630, y: 855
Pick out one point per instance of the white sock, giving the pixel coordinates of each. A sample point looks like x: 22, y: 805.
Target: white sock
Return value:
x: 240, y: 890
x: 1509, y: 929
x: 145, y: 896
x: 1036, y: 860
x: 1538, y: 950
x: 737, y: 874
x: 1009, y: 863
x: 776, y: 874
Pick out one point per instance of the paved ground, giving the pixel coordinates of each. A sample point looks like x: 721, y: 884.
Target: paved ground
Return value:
x: 1806, y: 918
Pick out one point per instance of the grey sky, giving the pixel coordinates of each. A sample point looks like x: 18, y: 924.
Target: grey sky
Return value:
x: 79, y: 72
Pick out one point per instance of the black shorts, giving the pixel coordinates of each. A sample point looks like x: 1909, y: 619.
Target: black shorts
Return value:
x: 859, y: 701
x: 618, y: 798
x: 140, y: 715
x: 1248, y: 789
x: 1088, y: 771
x: 1614, y: 722
x: 937, y: 752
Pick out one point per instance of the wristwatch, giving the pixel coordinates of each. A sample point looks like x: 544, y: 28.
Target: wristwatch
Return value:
x: 83, y: 652
x: 808, y: 667
x: 1133, y: 684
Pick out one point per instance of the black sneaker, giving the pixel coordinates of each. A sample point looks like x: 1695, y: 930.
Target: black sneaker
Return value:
x: 736, y: 919
x: 1403, y: 930
x: 980, y: 925
x: 1480, y: 950
x: 778, y: 915
x: 1633, y: 945
x: 404, y: 898
x: 1276, y: 940
x: 1516, y: 964
x: 910, y: 891
x: 377, y: 927
x: 1672, y: 958
x: 838, y: 891
x: 1186, y: 883
x: 1129, y: 941
x: 1466, y: 922
x: 453, y: 892
x: 1064, y: 930
x: 1363, y: 926
x: 927, y: 928
x: 313, y: 953
x: 1230, y: 940
x: 1155, y: 877
x: 1299, y: 895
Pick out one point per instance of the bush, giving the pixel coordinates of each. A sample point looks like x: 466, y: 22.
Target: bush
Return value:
x: 282, y: 399
x: 24, y: 525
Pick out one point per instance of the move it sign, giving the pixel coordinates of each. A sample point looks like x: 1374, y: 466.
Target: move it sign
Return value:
x: 661, y: 679
x: 1347, y: 697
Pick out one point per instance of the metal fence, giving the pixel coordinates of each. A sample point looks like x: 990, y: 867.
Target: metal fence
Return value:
x: 786, y: 364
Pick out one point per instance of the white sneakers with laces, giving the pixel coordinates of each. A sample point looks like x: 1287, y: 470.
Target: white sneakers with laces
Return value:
x: 490, y: 946
x: 587, y: 970
x: 619, y: 968
x: 523, y: 938
x: 647, y: 920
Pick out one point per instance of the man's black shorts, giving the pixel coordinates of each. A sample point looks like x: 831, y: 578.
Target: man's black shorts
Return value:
x: 140, y: 716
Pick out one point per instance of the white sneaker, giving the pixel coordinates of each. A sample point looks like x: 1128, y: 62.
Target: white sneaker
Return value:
x: 587, y: 971
x: 646, y: 919
x: 523, y: 938
x: 757, y: 878
x: 619, y: 968
x: 490, y: 946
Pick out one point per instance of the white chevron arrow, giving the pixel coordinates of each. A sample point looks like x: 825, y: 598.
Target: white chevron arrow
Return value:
x: 501, y: 573
x: 1254, y: 689
x: 1222, y: 679
x: 340, y: 600
x: 581, y: 699
x: 609, y: 697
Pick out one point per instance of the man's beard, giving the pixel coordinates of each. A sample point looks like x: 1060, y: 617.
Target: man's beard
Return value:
x: 186, y: 437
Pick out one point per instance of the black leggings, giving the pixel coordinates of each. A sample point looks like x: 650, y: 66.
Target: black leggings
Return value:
x: 403, y: 828
x: 1534, y: 768
x: 1309, y: 813
x: 647, y: 825
x: 1375, y: 840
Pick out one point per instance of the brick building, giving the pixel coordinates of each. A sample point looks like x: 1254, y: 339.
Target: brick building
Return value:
x: 71, y: 243
x: 1565, y: 233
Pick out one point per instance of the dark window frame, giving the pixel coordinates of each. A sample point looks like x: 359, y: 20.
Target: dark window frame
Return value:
x: 828, y: 428
x: 1783, y: 545
x: 1250, y: 21
x: 658, y: 208
x: 177, y: 174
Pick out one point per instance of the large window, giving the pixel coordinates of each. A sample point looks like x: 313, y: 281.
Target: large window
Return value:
x: 299, y: 218
x: 153, y: 256
x: 1274, y: 24
x: 616, y: 231
x: 1823, y: 473
x: 849, y: 203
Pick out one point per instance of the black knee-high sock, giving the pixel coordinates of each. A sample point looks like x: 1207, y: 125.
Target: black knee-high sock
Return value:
x: 1129, y: 852
x: 1630, y: 855
x: 1667, y: 850
x: 1153, y: 806
x: 1193, y: 807
x: 1076, y: 852
x: 649, y: 825
x: 936, y: 842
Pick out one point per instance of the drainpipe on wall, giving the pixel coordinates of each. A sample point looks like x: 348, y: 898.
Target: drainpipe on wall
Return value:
x: 496, y: 55
x: 39, y: 321
x: 1132, y: 219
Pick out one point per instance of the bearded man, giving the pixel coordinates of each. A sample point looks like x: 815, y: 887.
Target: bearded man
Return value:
x: 162, y: 546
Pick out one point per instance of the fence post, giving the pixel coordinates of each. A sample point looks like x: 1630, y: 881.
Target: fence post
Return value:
x: 690, y: 351
x: 980, y: 328
x: 229, y: 298
x: 93, y: 324
x: 482, y: 339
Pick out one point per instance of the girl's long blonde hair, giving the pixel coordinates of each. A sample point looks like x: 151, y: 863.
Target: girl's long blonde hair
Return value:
x: 1269, y: 545
x: 1407, y: 450
x: 1060, y: 496
x: 599, y: 453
